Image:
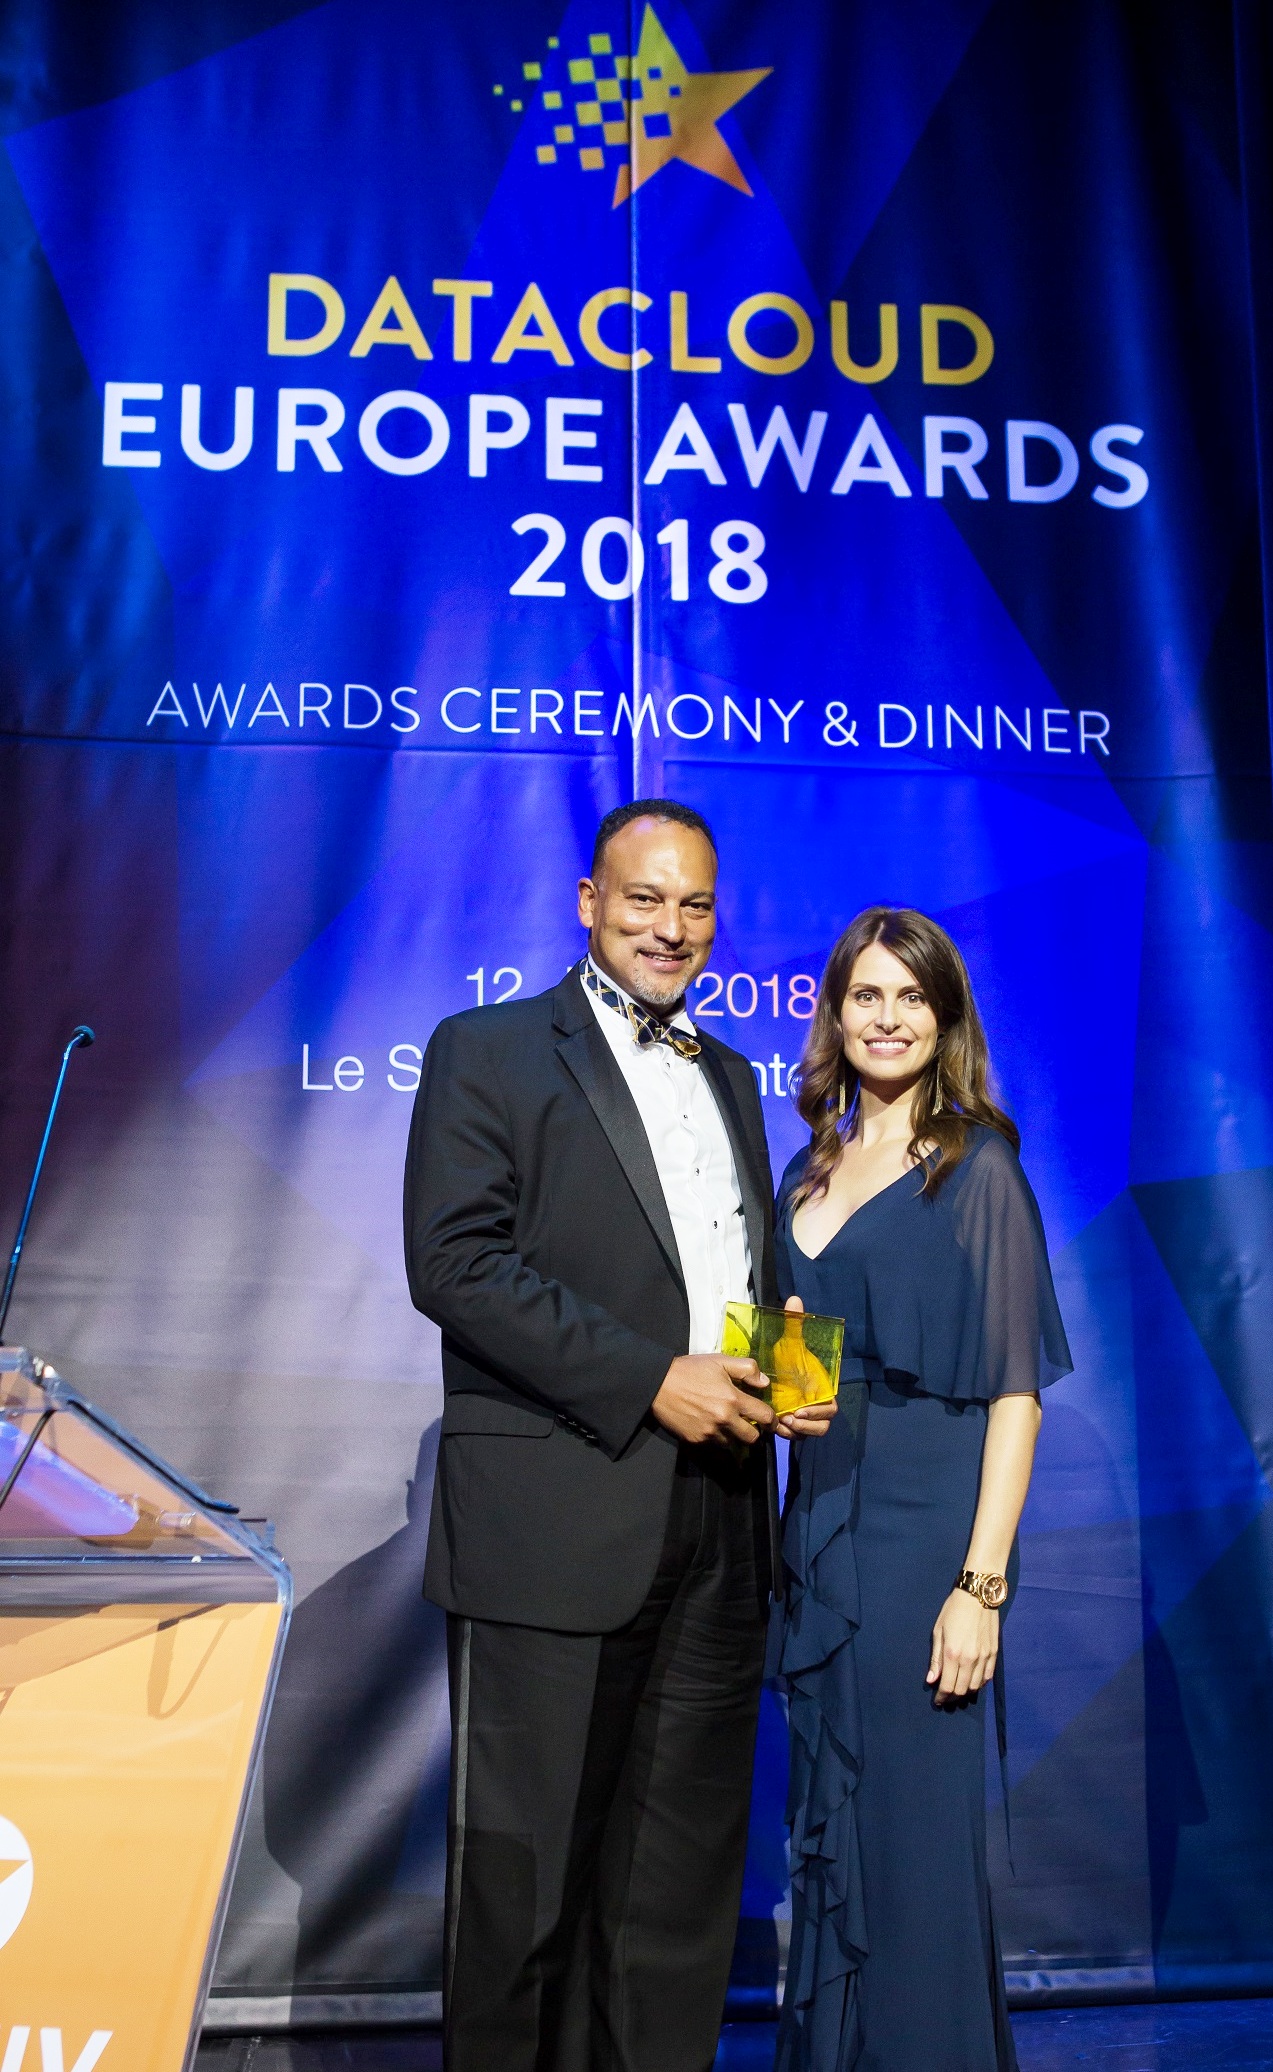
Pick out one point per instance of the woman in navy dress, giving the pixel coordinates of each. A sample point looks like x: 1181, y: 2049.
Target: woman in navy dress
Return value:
x: 909, y: 1216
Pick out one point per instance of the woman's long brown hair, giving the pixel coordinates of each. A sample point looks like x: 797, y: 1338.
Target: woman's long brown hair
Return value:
x: 955, y: 1087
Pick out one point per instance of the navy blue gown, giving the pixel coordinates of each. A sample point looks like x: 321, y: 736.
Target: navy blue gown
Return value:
x: 948, y: 1302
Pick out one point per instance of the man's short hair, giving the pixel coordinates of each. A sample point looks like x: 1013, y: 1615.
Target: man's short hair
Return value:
x: 647, y: 809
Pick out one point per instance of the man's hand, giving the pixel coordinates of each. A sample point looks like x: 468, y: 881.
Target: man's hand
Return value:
x: 706, y: 1396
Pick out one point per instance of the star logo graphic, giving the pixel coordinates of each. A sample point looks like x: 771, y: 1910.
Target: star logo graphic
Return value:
x: 632, y: 115
x: 677, y: 113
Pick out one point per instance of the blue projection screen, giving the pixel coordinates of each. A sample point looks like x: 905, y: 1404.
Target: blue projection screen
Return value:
x: 429, y: 425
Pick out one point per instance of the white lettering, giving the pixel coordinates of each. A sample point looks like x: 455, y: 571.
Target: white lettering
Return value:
x: 742, y: 719
x: 484, y: 440
x: 532, y: 582
x: 785, y: 718
x: 594, y: 576
x: 348, y: 1074
x: 292, y: 433
x: 644, y: 710
x: 218, y: 698
x: 685, y: 427
x: 498, y: 709
x: 358, y: 726
x: 272, y: 711
x: 461, y: 691
x: 1061, y: 714
x: 404, y: 690
x: 394, y: 463
x: 685, y: 733
x: 51, y: 2050
x: 1098, y: 735
x: 15, y: 2049
x: 318, y: 710
x: 778, y: 433
x: 962, y: 724
x: 869, y: 440
x: 172, y: 711
x: 1128, y: 471
x: 583, y: 712
x: 553, y: 718
x: 558, y: 436
x: 1002, y: 720
x: 906, y: 740
x: 1018, y: 431
x: 241, y: 440
x: 963, y: 460
x: 400, y: 1061
x: 308, y: 1085
x: 116, y: 424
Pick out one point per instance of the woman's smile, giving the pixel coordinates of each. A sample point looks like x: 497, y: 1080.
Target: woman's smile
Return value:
x: 886, y: 1019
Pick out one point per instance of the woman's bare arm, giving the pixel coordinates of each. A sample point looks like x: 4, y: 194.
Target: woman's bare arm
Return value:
x: 966, y: 1636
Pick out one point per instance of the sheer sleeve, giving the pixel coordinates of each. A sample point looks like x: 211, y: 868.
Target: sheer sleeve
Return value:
x: 1016, y: 1327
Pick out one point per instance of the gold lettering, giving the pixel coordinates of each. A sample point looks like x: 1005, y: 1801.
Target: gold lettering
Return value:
x: 769, y: 363
x: 284, y: 284
x: 519, y: 339
x: 932, y: 316
x: 391, y: 302
x: 590, y: 333
x: 464, y: 293
x: 680, y: 359
x: 849, y: 367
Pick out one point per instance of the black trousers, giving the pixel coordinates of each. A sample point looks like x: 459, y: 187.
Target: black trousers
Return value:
x: 599, y: 1802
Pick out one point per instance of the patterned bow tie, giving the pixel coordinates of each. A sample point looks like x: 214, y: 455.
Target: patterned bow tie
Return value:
x: 646, y: 1028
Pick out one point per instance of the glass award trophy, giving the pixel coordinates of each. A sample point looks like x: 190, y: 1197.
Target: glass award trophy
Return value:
x: 798, y: 1353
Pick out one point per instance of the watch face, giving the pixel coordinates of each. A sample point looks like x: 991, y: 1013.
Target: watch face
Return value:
x: 994, y: 1592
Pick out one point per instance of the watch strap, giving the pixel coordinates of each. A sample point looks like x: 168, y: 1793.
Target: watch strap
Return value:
x: 990, y: 1590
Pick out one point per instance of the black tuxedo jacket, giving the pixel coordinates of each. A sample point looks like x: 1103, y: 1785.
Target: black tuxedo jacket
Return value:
x: 538, y: 1238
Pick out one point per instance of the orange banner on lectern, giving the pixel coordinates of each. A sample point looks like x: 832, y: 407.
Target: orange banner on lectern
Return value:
x: 126, y: 1735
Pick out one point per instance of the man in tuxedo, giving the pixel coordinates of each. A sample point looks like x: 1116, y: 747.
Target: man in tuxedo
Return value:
x: 587, y: 1185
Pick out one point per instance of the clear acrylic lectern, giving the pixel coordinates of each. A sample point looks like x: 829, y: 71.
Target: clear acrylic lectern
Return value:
x: 141, y: 1624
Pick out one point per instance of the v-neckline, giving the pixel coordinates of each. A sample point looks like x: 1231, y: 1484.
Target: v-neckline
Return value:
x: 812, y: 1257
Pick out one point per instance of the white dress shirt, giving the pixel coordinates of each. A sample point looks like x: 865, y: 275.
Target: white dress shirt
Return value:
x: 695, y: 1165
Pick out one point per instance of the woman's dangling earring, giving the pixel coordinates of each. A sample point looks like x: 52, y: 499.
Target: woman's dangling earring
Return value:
x: 842, y: 1093
x: 937, y: 1100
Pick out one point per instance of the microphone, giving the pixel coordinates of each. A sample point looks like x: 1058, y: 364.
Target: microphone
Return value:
x: 80, y: 1039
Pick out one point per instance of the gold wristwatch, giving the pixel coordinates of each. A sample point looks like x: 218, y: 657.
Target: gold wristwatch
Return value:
x: 990, y: 1591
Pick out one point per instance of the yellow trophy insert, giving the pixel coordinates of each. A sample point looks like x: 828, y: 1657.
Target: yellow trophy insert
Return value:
x: 799, y: 1354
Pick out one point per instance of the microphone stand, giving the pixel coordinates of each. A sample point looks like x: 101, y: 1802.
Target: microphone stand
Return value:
x: 81, y: 1038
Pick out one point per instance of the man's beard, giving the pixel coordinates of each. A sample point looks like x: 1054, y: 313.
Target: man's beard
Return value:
x: 661, y: 995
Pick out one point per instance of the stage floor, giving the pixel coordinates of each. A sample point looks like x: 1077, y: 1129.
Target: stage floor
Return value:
x: 1223, y: 2035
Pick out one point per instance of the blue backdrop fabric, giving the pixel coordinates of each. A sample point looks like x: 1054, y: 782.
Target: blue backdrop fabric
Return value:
x: 427, y: 426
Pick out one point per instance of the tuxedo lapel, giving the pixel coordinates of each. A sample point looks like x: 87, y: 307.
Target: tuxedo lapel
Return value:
x: 587, y: 1057
x: 753, y: 1186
